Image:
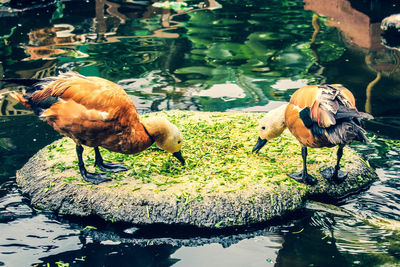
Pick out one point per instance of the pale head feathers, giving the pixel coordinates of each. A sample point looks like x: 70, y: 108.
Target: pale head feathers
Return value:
x: 273, y: 123
x: 166, y: 135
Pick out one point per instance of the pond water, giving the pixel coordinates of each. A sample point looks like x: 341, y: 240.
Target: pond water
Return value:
x: 210, y: 56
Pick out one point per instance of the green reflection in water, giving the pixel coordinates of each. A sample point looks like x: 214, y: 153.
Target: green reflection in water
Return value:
x: 255, y: 56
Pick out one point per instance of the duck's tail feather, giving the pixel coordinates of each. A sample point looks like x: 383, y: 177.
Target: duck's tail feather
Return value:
x: 362, y: 136
x: 28, y: 99
x: 346, y: 112
x: 345, y: 133
x: 366, y: 115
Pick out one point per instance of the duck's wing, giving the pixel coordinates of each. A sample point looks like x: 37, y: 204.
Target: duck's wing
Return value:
x: 324, y: 104
x: 86, y: 126
x: 95, y: 95
x: 329, y: 114
x: 92, y: 92
x: 81, y: 107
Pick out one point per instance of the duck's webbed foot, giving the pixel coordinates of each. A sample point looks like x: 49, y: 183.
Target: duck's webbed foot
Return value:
x: 334, y: 176
x: 106, y: 166
x: 111, y: 167
x: 303, y: 177
x: 95, y: 178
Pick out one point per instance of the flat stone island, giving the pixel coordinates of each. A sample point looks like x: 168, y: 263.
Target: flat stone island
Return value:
x: 222, y: 184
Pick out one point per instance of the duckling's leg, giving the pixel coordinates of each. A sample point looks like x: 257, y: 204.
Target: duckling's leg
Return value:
x: 94, y: 178
x: 105, y: 166
x: 335, y: 174
x: 303, y: 176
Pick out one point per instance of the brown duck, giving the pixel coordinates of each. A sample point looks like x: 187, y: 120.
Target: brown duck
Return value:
x: 318, y: 116
x: 96, y: 112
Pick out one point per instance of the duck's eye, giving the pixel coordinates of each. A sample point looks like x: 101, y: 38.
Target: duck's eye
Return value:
x: 263, y: 128
x: 179, y: 141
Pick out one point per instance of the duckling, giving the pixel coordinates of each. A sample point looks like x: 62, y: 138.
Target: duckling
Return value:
x: 97, y: 113
x: 318, y: 116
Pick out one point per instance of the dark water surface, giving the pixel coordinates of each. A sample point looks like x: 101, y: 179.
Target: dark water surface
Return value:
x: 217, y: 56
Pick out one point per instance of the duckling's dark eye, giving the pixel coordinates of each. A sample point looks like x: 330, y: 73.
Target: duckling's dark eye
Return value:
x: 263, y: 128
x: 179, y: 142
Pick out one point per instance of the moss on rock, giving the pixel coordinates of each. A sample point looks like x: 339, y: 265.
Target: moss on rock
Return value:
x: 223, y: 184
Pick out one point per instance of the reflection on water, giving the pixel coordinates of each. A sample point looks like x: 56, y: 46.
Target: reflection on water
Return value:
x: 382, y: 199
x: 216, y: 56
x: 257, y: 251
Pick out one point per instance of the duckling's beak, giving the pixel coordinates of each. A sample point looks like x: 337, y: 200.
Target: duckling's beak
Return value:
x: 178, y: 155
x: 259, y: 145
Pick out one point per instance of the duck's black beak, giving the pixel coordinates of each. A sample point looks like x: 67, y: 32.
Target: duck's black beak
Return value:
x: 178, y: 155
x: 259, y: 145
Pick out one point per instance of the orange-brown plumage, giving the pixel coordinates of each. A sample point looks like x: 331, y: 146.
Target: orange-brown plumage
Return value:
x: 318, y: 116
x: 324, y: 103
x: 97, y: 112
x: 94, y: 112
x: 297, y: 128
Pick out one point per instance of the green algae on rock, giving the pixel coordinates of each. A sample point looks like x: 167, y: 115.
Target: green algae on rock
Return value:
x: 222, y: 184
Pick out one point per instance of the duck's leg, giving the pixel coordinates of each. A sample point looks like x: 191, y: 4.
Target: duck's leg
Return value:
x: 94, y: 178
x: 335, y: 174
x: 303, y: 176
x: 106, y: 166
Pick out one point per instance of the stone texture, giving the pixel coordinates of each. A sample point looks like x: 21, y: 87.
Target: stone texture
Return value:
x: 256, y: 203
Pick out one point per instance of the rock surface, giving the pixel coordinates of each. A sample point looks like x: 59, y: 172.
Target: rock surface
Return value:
x: 55, y: 186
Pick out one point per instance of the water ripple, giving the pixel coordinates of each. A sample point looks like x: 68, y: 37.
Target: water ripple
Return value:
x: 25, y: 240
